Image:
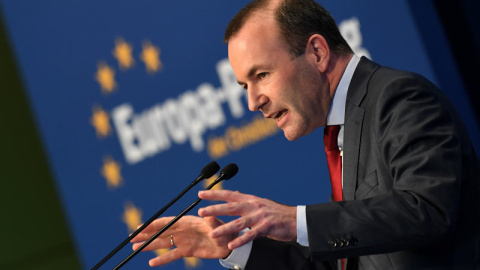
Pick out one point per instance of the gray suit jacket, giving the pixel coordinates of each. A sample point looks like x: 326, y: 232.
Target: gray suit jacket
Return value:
x: 411, y: 185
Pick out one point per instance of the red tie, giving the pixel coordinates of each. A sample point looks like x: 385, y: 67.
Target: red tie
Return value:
x: 334, y: 160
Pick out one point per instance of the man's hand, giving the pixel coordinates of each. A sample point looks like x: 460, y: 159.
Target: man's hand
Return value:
x: 263, y: 217
x: 191, y: 238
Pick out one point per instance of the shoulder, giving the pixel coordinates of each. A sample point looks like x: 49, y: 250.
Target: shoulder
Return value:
x: 389, y: 84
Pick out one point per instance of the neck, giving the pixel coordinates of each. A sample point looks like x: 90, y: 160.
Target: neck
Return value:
x: 338, y: 64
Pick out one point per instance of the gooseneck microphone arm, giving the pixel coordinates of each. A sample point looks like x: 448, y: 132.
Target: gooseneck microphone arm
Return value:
x: 228, y: 172
x: 207, y: 172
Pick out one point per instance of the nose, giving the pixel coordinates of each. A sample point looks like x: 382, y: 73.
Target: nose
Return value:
x: 256, y: 100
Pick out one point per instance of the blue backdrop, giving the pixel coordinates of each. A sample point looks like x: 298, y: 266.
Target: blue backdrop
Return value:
x: 133, y: 98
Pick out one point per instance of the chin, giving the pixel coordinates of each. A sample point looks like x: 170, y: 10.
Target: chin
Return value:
x: 291, y: 136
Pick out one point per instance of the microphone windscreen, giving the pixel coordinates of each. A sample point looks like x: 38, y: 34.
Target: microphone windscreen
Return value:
x: 209, y: 170
x: 229, y: 171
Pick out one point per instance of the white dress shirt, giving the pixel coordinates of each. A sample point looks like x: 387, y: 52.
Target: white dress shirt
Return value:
x: 336, y: 116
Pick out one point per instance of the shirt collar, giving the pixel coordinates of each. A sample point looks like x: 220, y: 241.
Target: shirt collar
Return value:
x: 336, y: 115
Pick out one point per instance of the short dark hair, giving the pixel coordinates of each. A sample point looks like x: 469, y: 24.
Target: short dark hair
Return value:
x: 297, y: 20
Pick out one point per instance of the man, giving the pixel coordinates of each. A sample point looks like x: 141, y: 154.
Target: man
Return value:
x: 410, y: 175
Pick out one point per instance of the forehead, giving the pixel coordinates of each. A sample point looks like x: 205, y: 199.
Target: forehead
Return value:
x: 258, y: 40
x: 258, y: 27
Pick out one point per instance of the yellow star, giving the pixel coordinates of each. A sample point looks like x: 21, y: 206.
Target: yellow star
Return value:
x: 111, y: 172
x: 106, y: 78
x: 132, y: 216
x: 210, y: 180
x: 192, y: 262
x: 151, y: 57
x: 101, y: 121
x: 161, y: 251
x: 123, y: 53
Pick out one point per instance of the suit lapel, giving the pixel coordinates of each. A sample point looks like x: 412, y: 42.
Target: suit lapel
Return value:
x: 353, y: 125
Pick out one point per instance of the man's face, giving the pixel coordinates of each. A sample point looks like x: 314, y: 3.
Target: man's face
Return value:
x: 290, y: 91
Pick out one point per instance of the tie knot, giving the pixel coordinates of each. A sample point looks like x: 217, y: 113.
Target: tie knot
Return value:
x: 330, y: 137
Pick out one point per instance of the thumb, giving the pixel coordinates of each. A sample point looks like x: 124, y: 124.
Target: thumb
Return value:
x: 213, y: 222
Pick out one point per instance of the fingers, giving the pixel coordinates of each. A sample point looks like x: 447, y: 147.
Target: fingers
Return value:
x: 223, y: 195
x: 143, y: 236
x: 226, y: 209
x: 242, y: 240
x: 168, y: 257
x: 236, y: 226
x: 231, y: 227
x: 264, y: 217
x: 155, y: 226
x: 159, y: 243
x: 237, y: 203
x: 245, y: 206
x: 190, y: 237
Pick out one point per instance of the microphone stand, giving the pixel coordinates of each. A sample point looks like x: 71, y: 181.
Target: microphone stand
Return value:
x: 207, y: 170
x: 223, y: 176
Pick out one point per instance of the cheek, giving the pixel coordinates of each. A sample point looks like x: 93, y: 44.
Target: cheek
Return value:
x: 312, y: 113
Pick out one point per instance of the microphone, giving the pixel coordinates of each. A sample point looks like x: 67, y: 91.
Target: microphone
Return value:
x: 227, y: 172
x: 208, y: 171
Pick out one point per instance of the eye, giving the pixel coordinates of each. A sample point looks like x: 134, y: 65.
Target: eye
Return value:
x: 262, y: 75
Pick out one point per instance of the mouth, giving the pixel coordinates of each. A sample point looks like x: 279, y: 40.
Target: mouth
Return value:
x: 278, y: 115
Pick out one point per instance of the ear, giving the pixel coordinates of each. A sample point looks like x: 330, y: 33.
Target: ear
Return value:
x: 317, y: 47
